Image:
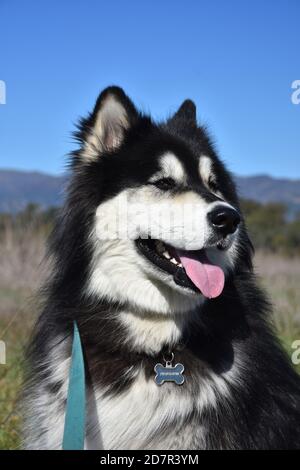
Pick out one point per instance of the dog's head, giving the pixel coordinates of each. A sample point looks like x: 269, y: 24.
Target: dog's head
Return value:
x: 165, y: 227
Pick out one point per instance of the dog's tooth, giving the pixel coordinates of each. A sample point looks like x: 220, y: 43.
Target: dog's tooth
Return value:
x: 180, y: 265
x: 166, y: 255
x: 173, y: 260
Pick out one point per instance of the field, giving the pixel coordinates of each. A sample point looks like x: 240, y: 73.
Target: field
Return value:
x: 21, y: 272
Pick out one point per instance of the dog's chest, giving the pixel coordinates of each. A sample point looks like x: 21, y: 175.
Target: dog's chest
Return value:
x: 149, y: 416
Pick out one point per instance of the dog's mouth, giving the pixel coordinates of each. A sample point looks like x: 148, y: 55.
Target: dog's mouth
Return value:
x: 190, y: 269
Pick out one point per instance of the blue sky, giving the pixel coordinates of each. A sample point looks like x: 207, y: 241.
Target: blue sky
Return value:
x: 235, y: 59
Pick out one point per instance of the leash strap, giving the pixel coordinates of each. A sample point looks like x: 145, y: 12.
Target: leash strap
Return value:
x: 74, y: 429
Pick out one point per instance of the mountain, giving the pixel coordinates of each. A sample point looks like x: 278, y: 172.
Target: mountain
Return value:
x: 264, y: 188
x: 18, y: 188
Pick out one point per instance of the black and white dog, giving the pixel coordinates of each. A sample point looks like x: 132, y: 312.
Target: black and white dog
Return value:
x: 152, y: 259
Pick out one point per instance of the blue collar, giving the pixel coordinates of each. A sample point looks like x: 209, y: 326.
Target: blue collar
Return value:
x: 74, y: 430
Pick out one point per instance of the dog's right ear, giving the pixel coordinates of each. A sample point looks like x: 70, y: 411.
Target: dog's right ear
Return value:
x: 186, y: 111
x: 103, y: 131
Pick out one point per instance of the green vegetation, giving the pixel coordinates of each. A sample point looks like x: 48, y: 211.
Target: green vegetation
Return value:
x: 22, y: 247
x: 15, y: 332
x: 270, y: 228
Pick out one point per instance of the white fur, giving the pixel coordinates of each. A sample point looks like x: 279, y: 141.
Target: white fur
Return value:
x: 205, y: 168
x: 133, y: 418
x: 159, y: 312
x: 117, y: 269
x: 180, y: 220
x: 171, y: 167
x: 44, y: 411
x: 207, y: 174
x: 149, y: 333
x: 107, y: 132
x: 119, y: 272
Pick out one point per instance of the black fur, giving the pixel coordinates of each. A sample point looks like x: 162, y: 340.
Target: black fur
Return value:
x: 264, y: 409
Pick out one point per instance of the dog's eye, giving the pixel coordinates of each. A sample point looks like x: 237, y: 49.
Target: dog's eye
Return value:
x: 165, y: 183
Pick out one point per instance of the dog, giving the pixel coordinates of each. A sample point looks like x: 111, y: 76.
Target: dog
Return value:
x: 151, y: 257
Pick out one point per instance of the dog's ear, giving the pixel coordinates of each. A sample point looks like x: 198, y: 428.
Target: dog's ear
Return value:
x: 104, y: 129
x: 187, y: 111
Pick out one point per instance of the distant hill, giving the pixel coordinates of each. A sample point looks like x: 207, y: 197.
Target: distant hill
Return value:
x: 18, y: 188
x: 264, y: 188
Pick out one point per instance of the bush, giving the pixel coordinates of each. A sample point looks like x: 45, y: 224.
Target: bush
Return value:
x: 270, y: 229
x: 268, y: 225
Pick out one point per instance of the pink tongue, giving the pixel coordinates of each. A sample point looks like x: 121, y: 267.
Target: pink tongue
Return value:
x: 208, y: 277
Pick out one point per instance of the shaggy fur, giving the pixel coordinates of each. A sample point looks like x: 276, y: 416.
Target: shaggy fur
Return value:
x: 240, y: 390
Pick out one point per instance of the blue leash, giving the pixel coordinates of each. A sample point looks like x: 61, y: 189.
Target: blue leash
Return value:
x: 74, y: 430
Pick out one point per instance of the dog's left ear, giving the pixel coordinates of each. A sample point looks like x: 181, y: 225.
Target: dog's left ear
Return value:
x: 187, y: 111
x: 104, y: 129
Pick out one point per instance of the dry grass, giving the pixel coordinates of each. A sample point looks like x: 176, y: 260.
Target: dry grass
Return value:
x: 281, y: 278
x: 15, y: 332
x: 21, y: 273
x: 21, y: 268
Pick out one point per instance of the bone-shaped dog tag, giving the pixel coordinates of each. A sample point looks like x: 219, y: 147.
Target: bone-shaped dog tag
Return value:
x: 169, y: 373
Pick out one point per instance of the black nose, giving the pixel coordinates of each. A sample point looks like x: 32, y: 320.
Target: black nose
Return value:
x: 224, y: 219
